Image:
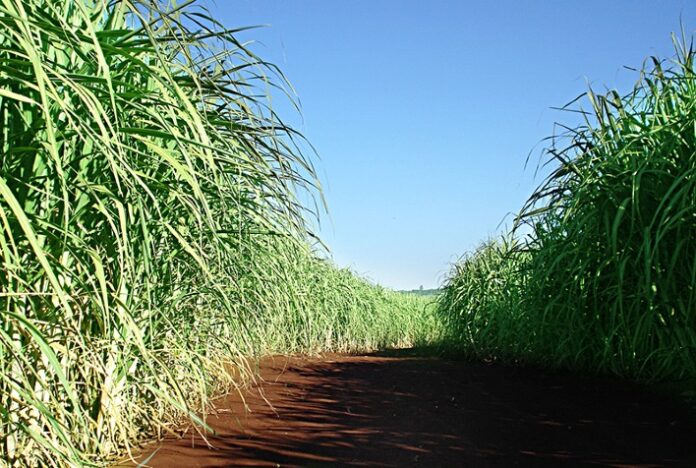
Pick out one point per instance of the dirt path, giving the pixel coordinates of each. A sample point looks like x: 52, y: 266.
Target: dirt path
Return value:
x: 403, y: 411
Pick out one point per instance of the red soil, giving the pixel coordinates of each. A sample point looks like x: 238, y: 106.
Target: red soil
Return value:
x: 403, y: 411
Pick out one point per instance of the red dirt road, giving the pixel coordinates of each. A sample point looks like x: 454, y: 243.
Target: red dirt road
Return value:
x: 404, y: 411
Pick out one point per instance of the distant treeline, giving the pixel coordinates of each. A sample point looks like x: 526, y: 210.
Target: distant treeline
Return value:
x: 423, y: 292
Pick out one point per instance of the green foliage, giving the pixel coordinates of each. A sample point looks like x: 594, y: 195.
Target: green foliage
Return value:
x: 332, y: 309
x: 152, y: 237
x: 607, y: 281
x: 482, y: 301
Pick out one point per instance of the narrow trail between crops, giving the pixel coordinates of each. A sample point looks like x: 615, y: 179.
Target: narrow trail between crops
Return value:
x: 392, y: 410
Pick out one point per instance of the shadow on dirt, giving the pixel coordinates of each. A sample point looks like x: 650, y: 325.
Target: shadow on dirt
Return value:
x: 393, y: 409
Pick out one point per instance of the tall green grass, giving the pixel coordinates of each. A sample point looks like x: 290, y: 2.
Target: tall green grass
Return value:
x: 333, y: 309
x: 607, y: 279
x: 481, y: 302
x: 152, y: 234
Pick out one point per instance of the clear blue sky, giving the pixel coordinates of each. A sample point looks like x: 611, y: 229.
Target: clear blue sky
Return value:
x: 423, y: 113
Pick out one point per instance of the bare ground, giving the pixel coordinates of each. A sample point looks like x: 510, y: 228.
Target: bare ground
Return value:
x: 396, y: 411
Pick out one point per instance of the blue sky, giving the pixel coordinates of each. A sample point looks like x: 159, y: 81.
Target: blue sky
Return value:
x: 423, y: 113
